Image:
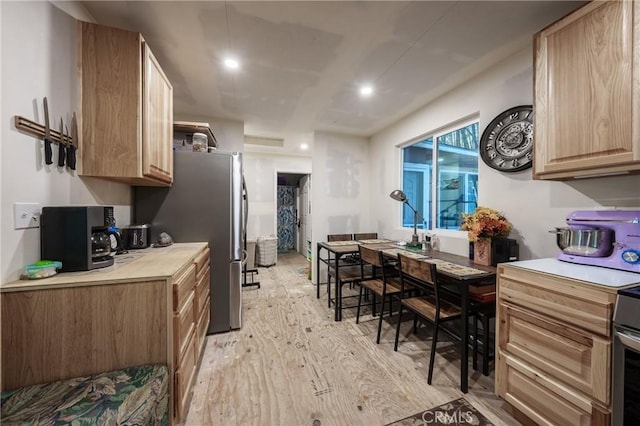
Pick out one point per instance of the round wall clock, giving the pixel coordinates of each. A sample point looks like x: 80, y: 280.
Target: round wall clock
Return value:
x: 507, y: 142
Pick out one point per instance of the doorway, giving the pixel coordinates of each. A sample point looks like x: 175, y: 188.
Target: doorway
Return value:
x: 293, y: 212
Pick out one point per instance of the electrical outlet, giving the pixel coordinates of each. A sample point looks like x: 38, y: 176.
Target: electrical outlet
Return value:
x: 26, y: 215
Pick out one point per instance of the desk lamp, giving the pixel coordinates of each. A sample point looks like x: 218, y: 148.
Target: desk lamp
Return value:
x: 398, y: 195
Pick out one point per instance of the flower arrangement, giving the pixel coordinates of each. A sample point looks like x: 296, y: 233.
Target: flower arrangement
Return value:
x: 484, y: 224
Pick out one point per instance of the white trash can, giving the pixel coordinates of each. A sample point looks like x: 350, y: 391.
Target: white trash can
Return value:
x: 266, y: 250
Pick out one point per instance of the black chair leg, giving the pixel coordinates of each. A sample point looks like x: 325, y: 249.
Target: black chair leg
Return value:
x: 475, y: 342
x: 415, y: 323
x: 380, y: 319
x: 395, y: 346
x: 339, y: 299
x: 359, y: 302
x: 374, y: 302
x: 485, y: 345
x: 328, y: 291
x: 432, y: 357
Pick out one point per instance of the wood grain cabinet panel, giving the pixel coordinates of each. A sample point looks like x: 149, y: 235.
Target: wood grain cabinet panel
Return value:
x: 202, y: 326
x: 126, y: 118
x: 183, y: 327
x: 78, y: 324
x: 183, y: 286
x: 568, y: 308
x: 157, y: 110
x: 574, y: 357
x: 184, y: 377
x: 529, y: 392
x: 203, y: 290
x: 202, y: 262
x: 587, y: 93
x: 553, y: 343
x: 56, y: 334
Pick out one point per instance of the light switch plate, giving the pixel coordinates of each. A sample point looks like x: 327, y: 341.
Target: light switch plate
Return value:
x: 26, y: 215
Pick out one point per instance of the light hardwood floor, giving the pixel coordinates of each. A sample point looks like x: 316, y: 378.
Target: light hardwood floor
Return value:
x: 291, y: 364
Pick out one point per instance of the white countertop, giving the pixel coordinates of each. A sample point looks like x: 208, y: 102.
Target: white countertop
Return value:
x: 594, y: 274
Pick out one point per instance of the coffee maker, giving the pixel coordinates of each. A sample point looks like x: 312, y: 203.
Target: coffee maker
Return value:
x: 78, y: 236
x: 608, y: 238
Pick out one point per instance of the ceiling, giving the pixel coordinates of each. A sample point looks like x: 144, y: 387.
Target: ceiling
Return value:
x: 302, y: 62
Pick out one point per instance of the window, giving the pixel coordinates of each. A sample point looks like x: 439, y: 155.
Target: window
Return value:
x: 440, y: 177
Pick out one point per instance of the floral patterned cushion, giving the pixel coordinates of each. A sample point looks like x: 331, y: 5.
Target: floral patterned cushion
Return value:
x: 132, y: 396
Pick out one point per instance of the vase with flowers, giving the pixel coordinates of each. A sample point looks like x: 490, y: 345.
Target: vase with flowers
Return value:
x: 482, y: 226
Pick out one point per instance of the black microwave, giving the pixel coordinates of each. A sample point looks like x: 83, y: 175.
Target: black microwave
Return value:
x: 504, y: 250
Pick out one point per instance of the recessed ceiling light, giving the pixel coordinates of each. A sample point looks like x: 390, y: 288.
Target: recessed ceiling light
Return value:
x: 366, y: 90
x: 304, y: 146
x: 231, y: 64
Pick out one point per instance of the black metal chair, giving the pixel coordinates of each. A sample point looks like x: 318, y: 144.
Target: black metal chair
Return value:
x: 334, y: 238
x: 365, y: 236
x: 339, y: 237
x: 381, y: 282
x: 430, y: 305
x: 483, y: 304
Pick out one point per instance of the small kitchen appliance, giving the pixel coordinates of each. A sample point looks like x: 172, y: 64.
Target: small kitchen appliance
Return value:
x: 136, y: 236
x: 504, y: 250
x: 78, y: 236
x: 608, y: 238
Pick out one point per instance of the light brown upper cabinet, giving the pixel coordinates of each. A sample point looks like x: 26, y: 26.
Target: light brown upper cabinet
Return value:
x: 126, y: 123
x: 587, y: 93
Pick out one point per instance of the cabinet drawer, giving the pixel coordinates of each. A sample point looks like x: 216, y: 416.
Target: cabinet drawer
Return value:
x: 201, y: 327
x: 182, y: 286
x: 183, y: 327
x: 558, y: 298
x: 202, y: 262
x: 570, y: 355
x: 202, y: 289
x: 543, y: 400
x: 184, y: 379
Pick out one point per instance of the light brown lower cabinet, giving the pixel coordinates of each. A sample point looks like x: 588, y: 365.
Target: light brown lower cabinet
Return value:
x: 66, y: 326
x: 190, y: 318
x: 554, y: 347
x: 184, y: 376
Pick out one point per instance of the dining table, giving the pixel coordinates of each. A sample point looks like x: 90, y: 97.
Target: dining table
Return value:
x: 453, y: 270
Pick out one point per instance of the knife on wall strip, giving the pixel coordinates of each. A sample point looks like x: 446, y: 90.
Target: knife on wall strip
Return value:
x: 73, y: 144
x: 61, y: 150
x: 47, y: 135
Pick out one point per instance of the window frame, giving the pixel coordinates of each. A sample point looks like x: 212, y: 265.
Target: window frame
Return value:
x: 436, y: 170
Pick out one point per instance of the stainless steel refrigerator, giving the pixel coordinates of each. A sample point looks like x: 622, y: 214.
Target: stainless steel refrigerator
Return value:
x: 205, y: 203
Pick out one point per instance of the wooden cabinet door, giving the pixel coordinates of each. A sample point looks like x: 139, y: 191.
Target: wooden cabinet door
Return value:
x: 109, y: 121
x: 126, y: 120
x: 574, y: 357
x: 541, y: 399
x: 157, y: 136
x: 587, y: 93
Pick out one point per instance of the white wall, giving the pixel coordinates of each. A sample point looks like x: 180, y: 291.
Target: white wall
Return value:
x: 533, y: 207
x: 38, y: 59
x: 261, y: 172
x: 340, y: 189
